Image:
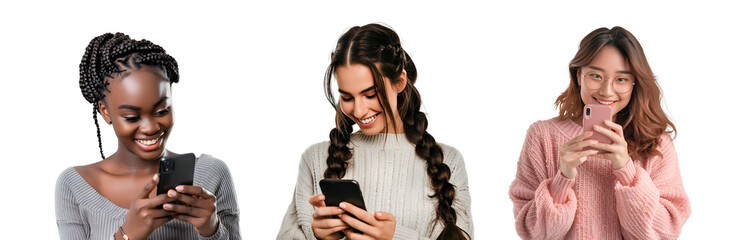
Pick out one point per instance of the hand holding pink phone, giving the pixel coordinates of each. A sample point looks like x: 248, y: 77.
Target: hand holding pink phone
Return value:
x: 596, y: 114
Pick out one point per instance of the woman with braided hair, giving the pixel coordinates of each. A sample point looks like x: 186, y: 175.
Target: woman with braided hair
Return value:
x: 128, y: 82
x: 418, y: 188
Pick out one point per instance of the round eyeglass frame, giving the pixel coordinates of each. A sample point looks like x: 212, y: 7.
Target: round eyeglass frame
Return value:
x: 632, y: 85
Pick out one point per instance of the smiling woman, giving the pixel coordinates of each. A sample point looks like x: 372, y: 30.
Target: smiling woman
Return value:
x: 418, y: 188
x: 628, y: 189
x: 129, y: 83
x: 142, y: 110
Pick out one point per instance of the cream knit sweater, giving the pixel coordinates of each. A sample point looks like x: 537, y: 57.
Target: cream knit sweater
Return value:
x: 393, y: 179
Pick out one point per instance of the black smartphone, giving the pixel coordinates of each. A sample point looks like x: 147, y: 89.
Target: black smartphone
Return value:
x: 341, y: 190
x: 175, y: 170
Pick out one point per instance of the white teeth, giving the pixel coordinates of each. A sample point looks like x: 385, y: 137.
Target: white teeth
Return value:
x: 605, y: 103
x: 148, y: 142
x: 368, y: 120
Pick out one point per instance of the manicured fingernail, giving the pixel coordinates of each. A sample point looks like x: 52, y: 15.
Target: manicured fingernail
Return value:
x: 321, y: 197
x: 179, y: 188
x: 156, y: 176
x: 339, y: 215
x: 167, y: 206
x: 379, y: 214
x: 340, y: 210
x: 172, y: 193
x: 342, y: 205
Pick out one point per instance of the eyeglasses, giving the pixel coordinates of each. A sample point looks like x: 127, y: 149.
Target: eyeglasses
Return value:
x: 622, y: 83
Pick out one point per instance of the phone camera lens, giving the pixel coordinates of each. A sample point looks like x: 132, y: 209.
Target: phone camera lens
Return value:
x: 166, y: 166
x: 587, y: 111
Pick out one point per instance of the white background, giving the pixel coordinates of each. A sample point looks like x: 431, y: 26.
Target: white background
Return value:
x: 251, y: 91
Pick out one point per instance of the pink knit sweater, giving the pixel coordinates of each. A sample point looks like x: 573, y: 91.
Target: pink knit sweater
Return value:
x: 642, y: 200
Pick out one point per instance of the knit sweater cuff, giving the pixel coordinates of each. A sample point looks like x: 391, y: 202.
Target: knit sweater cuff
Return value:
x: 405, y: 233
x: 626, y: 174
x: 220, y: 233
x: 559, y: 188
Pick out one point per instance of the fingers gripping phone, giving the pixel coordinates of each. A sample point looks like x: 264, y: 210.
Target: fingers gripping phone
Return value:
x: 342, y: 190
x: 175, y: 170
x: 595, y: 115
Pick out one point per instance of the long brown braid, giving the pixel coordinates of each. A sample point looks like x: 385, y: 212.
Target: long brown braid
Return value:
x: 378, y: 48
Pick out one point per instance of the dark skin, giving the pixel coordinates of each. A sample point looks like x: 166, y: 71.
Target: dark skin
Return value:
x: 140, y: 110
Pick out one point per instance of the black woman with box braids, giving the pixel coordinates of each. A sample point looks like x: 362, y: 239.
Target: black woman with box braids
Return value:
x: 129, y: 83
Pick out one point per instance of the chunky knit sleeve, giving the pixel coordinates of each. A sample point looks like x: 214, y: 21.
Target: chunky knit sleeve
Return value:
x: 462, y: 202
x: 651, y: 201
x: 213, y: 175
x: 544, y: 201
x: 71, y: 223
x: 296, y: 224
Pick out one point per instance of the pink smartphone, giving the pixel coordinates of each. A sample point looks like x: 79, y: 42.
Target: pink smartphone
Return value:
x: 596, y: 114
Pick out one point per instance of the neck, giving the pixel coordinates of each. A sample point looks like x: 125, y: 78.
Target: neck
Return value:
x: 397, y: 126
x: 397, y: 129
x: 125, y: 162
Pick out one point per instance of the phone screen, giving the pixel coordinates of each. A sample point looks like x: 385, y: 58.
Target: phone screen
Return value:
x: 341, y: 190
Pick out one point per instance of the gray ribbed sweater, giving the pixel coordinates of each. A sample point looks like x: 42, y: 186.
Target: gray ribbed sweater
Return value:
x: 82, y: 213
x: 393, y: 179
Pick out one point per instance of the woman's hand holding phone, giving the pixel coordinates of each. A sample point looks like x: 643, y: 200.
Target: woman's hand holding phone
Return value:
x: 198, y: 209
x: 341, y: 210
x: 617, y: 152
x: 144, y: 216
x: 324, y: 224
x: 381, y: 225
x: 572, y: 154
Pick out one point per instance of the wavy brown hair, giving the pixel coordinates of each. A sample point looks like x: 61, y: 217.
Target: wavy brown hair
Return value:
x: 378, y: 48
x: 643, y: 119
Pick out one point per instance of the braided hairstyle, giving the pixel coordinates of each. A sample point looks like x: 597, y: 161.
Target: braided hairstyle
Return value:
x: 378, y: 47
x: 109, y: 55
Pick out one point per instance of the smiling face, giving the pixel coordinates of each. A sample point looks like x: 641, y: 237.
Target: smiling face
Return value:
x: 139, y: 106
x: 613, y: 69
x: 359, y: 99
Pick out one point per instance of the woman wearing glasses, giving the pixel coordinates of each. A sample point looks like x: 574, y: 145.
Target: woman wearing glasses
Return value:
x: 630, y: 188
